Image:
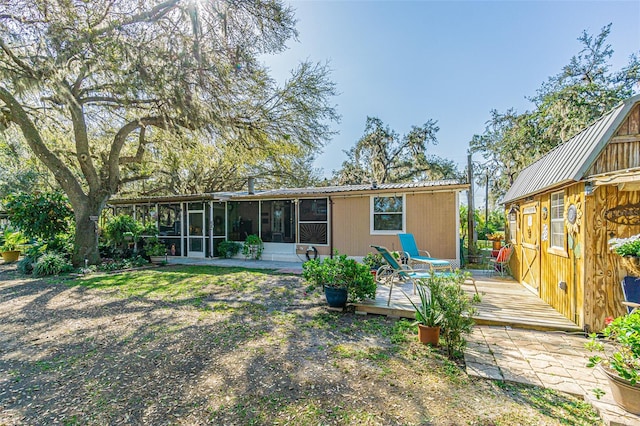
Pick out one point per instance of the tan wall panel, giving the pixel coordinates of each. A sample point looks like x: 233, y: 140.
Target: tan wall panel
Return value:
x: 431, y: 217
x: 432, y: 220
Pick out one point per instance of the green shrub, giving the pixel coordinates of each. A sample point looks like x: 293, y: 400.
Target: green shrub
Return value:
x: 51, y: 263
x: 228, y: 249
x: 42, y: 215
x: 457, y: 309
x: 341, y: 272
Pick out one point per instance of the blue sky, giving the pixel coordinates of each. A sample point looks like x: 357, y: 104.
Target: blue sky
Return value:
x: 408, y: 62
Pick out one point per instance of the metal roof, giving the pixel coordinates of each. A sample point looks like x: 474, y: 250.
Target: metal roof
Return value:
x: 450, y: 185
x: 569, y: 161
x: 326, y: 190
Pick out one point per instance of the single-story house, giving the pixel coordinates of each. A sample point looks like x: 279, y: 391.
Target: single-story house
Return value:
x: 563, y: 209
x: 295, y: 224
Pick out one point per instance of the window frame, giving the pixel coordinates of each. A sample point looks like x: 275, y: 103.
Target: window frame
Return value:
x: 554, y: 219
x: 372, y: 214
x: 315, y: 221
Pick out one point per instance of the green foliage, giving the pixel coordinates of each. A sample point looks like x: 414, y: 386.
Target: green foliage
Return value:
x: 42, y: 215
x: 626, y: 246
x: 12, y: 240
x: 373, y: 260
x: 121, y: 229
x: 118, y: 265
x: 117, y: 124
x: 252, y: 247
x: 382, y: 156
x: 582, y: 92
x: 155, y: 248
x: 341, y: 272
x: 428, y: 312
x: 624, y: 355
x: 31, y: 255
x: 454, y: 309
x: 228, y: 249
x: 51, y: 263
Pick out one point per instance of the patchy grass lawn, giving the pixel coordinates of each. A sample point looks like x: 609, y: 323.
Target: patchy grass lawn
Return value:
x: 205, y: 345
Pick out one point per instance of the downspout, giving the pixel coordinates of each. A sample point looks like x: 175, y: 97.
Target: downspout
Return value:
x: 330, y: 227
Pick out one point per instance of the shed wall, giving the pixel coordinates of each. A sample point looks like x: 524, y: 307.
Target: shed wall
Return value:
x: 603, y: 269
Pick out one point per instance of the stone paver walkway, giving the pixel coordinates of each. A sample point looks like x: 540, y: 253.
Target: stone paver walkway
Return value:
x: 553, y: 360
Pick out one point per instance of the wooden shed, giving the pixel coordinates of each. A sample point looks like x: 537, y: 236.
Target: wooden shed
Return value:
x: 563, y: 209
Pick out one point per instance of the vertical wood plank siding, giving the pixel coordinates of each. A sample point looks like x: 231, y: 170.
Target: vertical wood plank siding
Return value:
x: 558, y: 266
x: 623, y: 151
x: 604, y: 271
x: 431, y: 217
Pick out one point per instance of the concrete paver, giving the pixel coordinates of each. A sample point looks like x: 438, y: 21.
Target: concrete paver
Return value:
x: 553, y: 360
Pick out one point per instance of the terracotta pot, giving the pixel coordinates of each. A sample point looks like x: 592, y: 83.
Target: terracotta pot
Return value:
x: 624, y: 393
x: 10, y: 256
x: 429, y: 335
x: 497, y: 245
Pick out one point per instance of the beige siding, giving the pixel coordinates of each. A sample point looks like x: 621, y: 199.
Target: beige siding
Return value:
x: 431, y: 217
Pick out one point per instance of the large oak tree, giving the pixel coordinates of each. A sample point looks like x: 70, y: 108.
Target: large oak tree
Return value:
x: 97, y: 86
x: 567, y: 102
x: 383, y: 156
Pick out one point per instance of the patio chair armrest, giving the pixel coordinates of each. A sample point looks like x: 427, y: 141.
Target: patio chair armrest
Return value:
x: 631, y: 304
x: 426, y: 253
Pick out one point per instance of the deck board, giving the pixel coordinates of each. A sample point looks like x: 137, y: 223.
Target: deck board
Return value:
x: 504, y: 303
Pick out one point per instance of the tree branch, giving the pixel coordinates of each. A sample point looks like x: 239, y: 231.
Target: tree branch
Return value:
x: 61, y: 172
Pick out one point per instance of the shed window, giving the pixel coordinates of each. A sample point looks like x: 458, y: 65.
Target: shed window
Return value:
x: 513, y: 226
x: 387, y: 214
x: 557, y: 220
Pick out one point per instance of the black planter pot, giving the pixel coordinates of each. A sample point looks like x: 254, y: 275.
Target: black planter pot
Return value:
x: 336, y: 297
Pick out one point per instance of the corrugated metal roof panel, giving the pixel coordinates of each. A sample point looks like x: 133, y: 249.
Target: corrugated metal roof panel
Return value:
x: 571, y: 160
x: 347, y: 188
x: 291, y: 192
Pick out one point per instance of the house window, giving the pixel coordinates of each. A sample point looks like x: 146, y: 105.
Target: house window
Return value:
x: 314, y: 221
x: 557, y: 220
x: 387, y: 214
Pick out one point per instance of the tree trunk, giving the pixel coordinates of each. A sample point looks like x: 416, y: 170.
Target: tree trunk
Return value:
x: 86, y: 241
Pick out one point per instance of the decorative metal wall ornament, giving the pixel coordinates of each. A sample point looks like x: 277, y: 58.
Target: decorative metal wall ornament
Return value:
x: 628, y: 214
x: 545, y: 213
x: 573, y: 215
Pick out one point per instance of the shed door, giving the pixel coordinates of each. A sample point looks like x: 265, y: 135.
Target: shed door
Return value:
x: 530, y: 246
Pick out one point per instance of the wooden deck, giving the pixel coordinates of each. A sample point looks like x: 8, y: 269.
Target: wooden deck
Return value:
x: 504, y: 303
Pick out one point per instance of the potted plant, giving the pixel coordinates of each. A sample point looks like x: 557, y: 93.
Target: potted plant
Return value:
x: 621, y: 360
x: 343, y: 279
x: 252, y: 247
x: 429, y: 316
x: 374, y: 261
x: 156, y: 251
x: 11, y: 242
x: 629, y: 251
x: 496, y: 239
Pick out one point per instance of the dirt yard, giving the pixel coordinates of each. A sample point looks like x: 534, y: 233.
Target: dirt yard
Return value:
x: 242, y: 349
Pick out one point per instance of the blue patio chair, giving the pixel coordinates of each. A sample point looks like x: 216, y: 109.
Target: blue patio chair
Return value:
x: 393, y: 269
x: 414, y: 256
x: 631, y: 291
